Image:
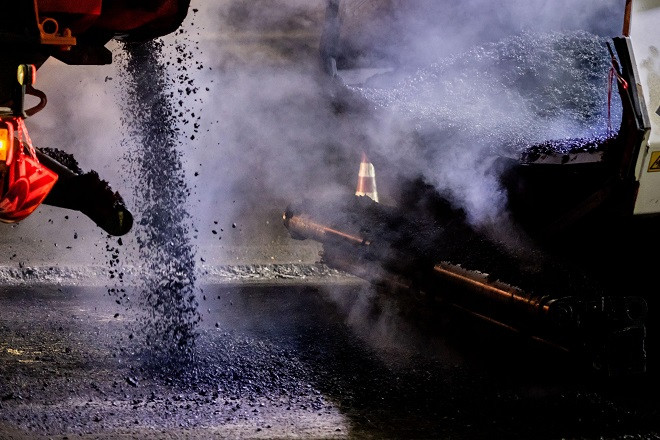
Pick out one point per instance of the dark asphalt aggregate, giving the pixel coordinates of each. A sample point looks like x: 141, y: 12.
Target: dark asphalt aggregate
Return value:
x: 291, y: 361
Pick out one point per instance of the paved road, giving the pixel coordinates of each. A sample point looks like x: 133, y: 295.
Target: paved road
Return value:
x: 290, y: 361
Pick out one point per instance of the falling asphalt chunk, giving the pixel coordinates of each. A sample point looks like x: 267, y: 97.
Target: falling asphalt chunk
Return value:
x: 169, y: 325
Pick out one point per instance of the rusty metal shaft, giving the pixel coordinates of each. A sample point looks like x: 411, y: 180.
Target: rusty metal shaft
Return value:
x: 305, y: 227
x: 491, y: 291
x: 608, y: 332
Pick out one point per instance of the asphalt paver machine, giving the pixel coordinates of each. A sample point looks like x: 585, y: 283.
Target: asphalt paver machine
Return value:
x: 590, y: 207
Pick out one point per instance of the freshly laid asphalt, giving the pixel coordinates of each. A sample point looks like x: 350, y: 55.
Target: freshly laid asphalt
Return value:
x: 294, y: 360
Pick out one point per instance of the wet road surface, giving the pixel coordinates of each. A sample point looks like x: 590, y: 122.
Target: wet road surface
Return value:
x: 291, y: 361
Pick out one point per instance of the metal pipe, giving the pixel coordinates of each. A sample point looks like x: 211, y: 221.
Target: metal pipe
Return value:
x: 491, y: 290
x: 308, y: 228
x: 626, y: 19
x: 608, y: 332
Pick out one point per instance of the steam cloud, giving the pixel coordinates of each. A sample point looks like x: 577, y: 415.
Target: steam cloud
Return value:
x: 263, y: 132
x: 272, y: 136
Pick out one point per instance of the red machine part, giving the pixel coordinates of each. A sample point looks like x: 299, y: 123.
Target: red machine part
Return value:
x: 116, y: 16
x: 26, y: 182
x: 81, y: 14
x: 128, y: 15
x: 86, y: 7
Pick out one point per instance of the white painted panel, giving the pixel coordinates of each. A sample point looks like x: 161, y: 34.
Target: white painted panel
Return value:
x: 645, y: 39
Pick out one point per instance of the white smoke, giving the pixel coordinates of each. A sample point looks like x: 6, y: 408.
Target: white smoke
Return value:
x: 462, y: 75
x: 264, y: 132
